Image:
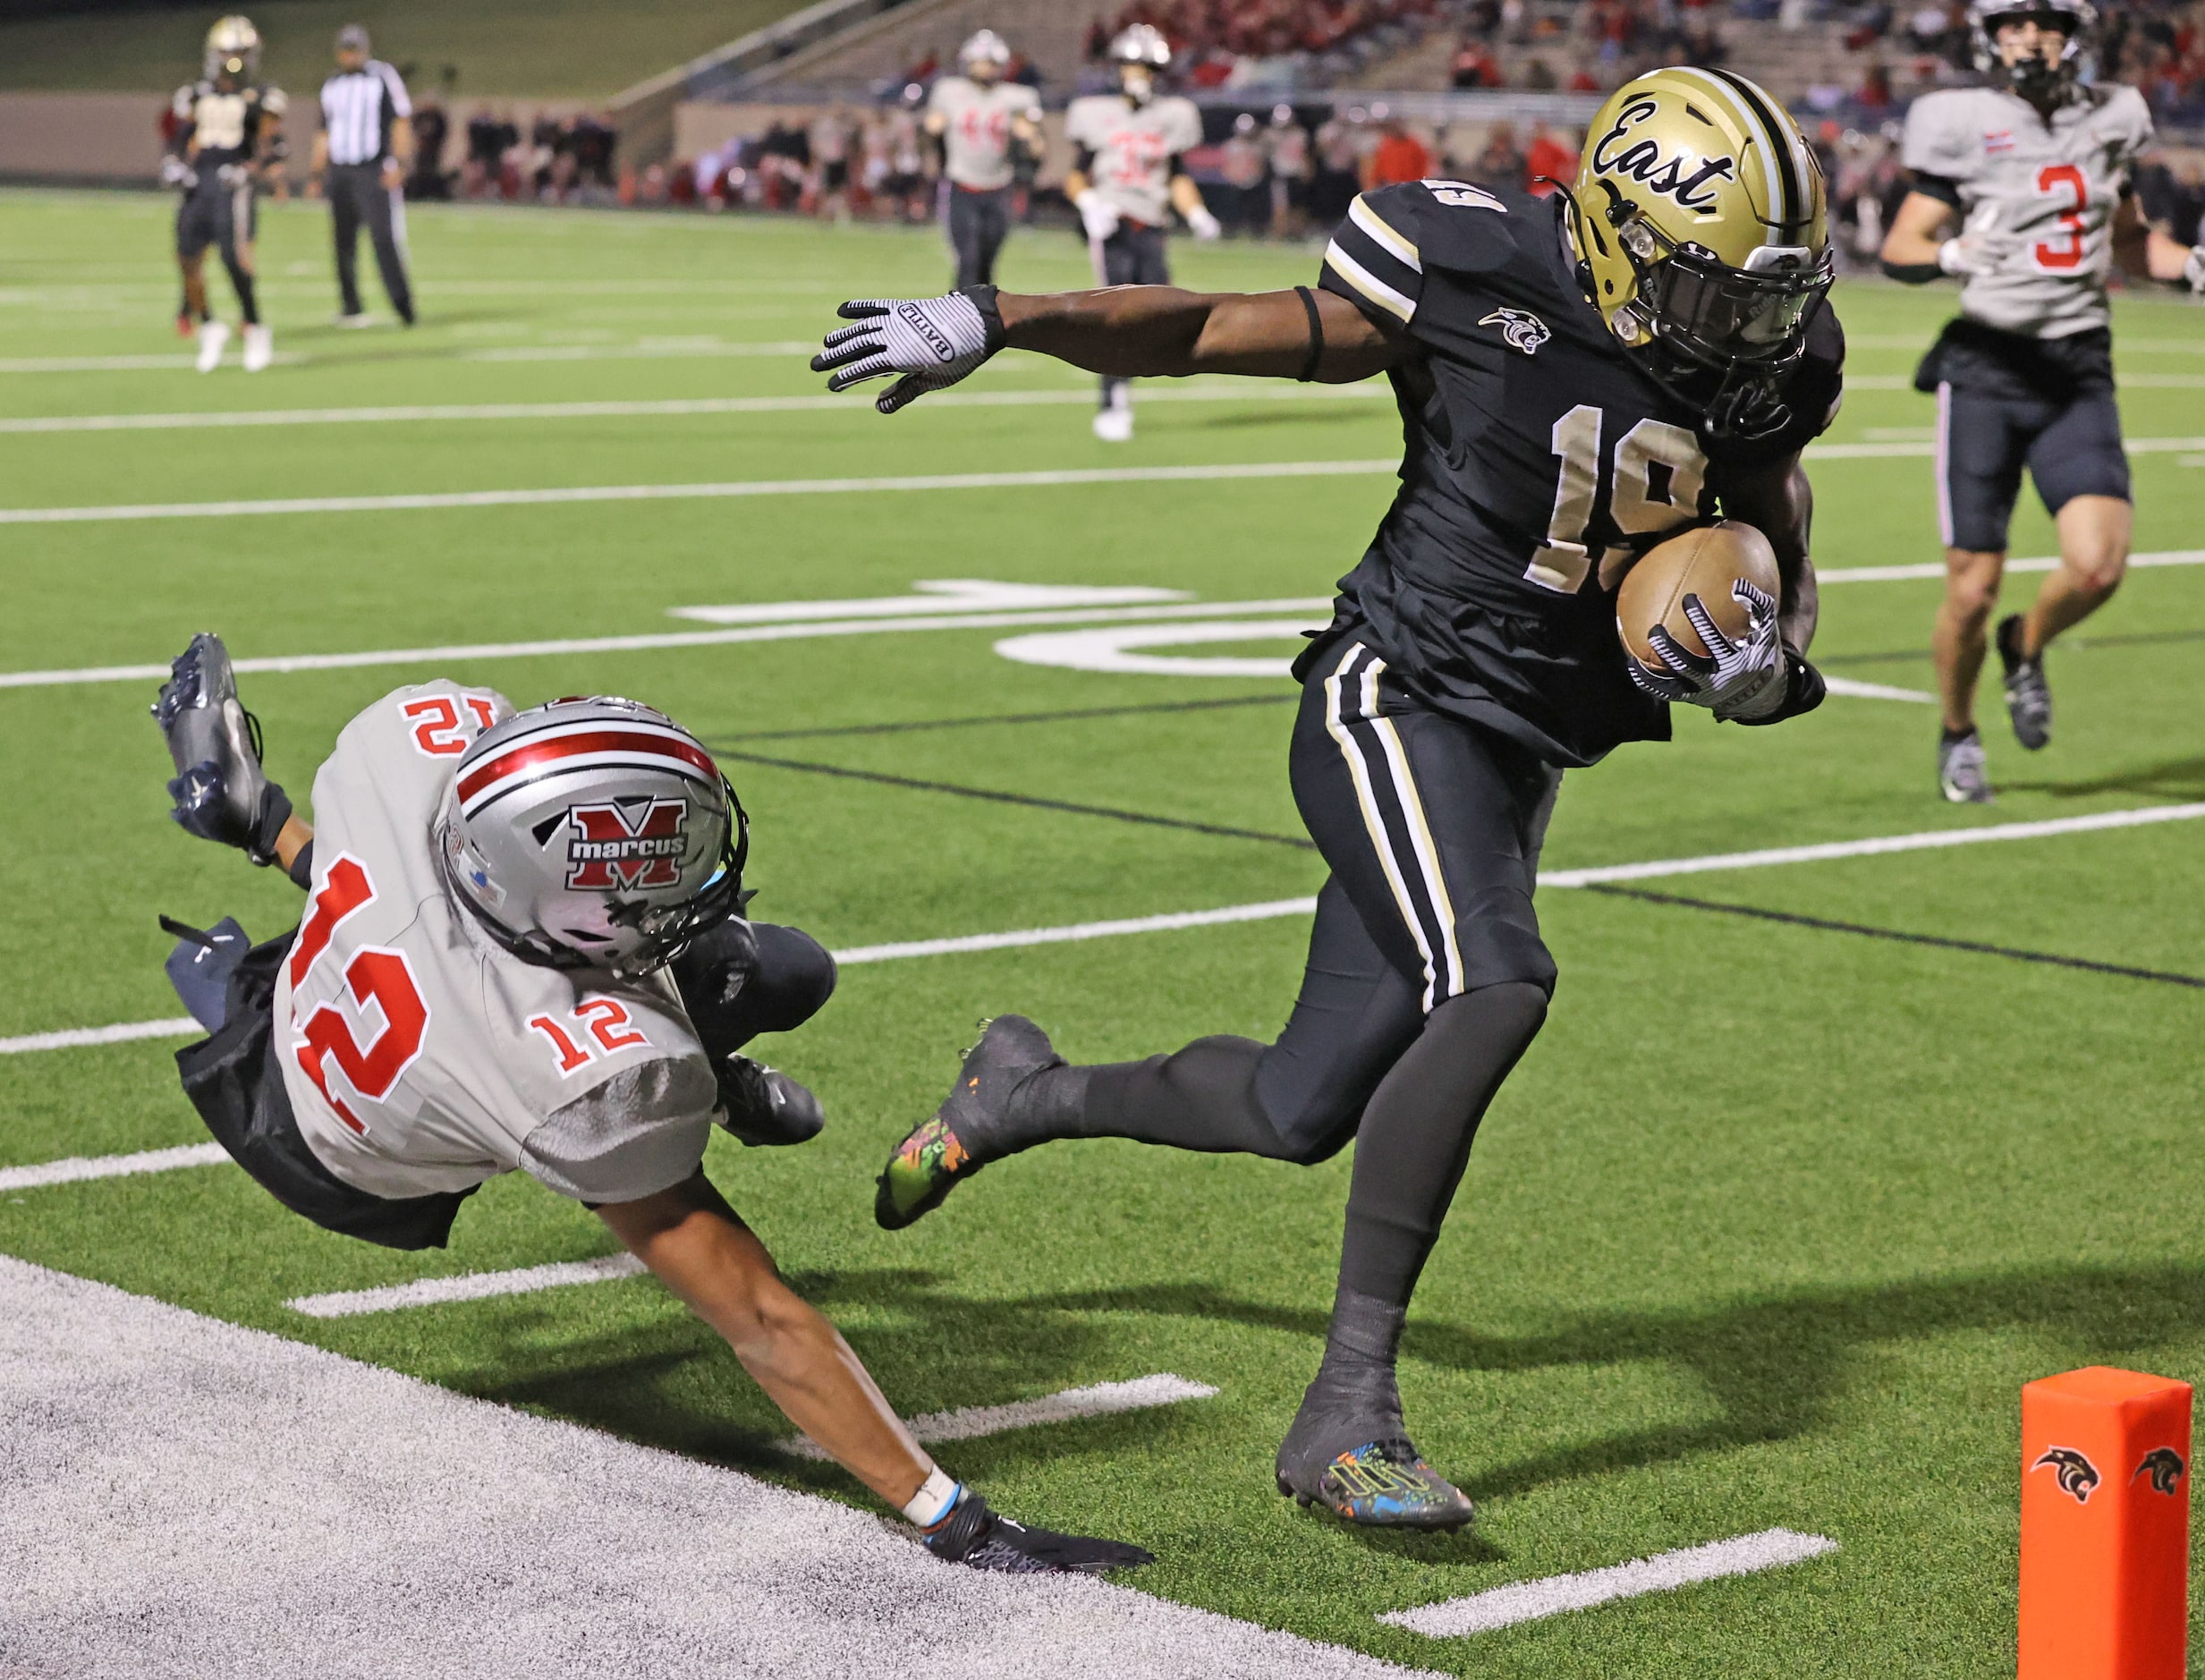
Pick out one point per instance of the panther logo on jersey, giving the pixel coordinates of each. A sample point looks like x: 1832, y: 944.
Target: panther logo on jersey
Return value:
x: 2078, y: 1477
x: 610, y: 850
x: 2164, y: 1465
x: 1522, y: 329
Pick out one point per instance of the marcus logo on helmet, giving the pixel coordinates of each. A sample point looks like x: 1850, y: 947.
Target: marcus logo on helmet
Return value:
x: 610, y: 851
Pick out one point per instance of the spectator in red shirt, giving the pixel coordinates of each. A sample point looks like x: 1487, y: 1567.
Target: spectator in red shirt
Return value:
x: 1398, y: 157
x: 1475, y: 67
x: 1550, y: 158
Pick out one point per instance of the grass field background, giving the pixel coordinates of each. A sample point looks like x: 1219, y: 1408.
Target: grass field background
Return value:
x: 1768, y: 1229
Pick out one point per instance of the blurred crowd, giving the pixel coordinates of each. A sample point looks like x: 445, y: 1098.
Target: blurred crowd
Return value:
x: 1236, y: 44
x: 1581, y: 48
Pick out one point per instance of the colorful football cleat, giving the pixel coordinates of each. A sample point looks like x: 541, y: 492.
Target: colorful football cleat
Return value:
x: 1380, y: 1484
x: 967, y: 1130
x: 924, y: 1169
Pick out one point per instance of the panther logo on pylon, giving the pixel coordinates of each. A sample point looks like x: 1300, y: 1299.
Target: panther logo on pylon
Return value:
x: 2078, y: 1477
x: 2164, y: 1465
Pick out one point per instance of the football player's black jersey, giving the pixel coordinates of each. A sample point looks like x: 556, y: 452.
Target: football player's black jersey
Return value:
x: 1539, y: 460
x: 230, y: 125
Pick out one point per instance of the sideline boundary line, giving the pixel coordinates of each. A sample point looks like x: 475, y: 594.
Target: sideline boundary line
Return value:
x: 1665, y: 1572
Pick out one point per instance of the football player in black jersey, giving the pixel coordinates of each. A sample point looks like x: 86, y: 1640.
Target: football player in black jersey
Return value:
x: 229, y: 130
x: 1576, y: 378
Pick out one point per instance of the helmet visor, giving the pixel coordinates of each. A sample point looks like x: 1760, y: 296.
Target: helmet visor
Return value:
x: 1715, y: 313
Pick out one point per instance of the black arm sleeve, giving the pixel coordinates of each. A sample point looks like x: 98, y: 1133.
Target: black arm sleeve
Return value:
x: 1942, y: 188
x: 301, y: 870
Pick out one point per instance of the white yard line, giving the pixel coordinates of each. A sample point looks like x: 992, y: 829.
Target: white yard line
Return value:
x: 123, y: 1034
x: 1278, y: 908
x: 1666, y: 1572
x: 430, y: 1292
x: 563, y: 496
x: 1877, y: 691
x: 190, y: 1497
x: 1103, y: 1399
x: 78, y: 1168
x: 952, y: 620
x: 2039, y: 563
x: 1900, y: 448
x: 218, y: 418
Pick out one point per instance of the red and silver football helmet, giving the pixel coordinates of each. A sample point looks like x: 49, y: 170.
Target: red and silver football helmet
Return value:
x: 593, y: 834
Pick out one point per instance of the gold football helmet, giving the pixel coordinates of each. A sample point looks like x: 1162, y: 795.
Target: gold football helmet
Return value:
x: 232, y: 49
x: 1701, y: 223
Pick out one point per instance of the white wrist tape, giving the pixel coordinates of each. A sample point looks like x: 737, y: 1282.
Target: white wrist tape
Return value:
x: 937, y: 1494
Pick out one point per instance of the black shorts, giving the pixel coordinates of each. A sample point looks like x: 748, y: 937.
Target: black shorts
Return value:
x: 834, y: 176
x: 212, y: 213
x: 1432, y: 828
x: 2005, y: 403
x: 235, y: 1080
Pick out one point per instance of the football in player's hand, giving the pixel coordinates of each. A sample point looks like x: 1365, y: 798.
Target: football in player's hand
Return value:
x: 1704, y: 561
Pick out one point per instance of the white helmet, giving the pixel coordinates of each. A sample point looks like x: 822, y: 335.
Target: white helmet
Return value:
x: 2075, y: 20
x: 985, y: 47
x: 593, y: 834
x: 232, y: 49
x: 1142, y: 43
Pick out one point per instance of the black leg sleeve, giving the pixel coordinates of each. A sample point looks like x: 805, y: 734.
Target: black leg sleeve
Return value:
x: 1416, y: 1132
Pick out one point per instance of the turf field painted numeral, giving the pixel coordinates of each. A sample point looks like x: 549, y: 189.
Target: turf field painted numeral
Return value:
x: 1638, y: 503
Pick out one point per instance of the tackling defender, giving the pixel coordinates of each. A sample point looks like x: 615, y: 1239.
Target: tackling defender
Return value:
x: 983, y: 123
x: 1128, y: 174
x: 1576, y: 379
x: 524, y: 950
x: 2021, y: 188
x: 229, y: 130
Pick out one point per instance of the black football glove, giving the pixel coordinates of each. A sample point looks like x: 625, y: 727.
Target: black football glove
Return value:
x: 220, y: 792
x: 978, y: 1538
x: 932, y: 342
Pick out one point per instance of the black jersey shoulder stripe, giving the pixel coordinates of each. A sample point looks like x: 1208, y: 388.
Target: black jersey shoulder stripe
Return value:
x: 1793, y: 207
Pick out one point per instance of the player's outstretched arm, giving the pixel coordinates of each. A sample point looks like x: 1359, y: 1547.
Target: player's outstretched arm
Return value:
x: 696, y: 1245
x: 1128, y: 332
x: 2146, y: 253
x: 1919, y: 248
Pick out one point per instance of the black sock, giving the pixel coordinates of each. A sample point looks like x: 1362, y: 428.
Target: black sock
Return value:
x: 1356, y: 1379
x: 246, y: 300
x: 1414, y: 1139
x: 1201, y: 1098
x: 1950, y: 737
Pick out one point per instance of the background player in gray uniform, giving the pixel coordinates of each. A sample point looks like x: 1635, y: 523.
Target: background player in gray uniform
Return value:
x: 523, y: 951
x: 2021, y: 188
x: 229, y: 128
x: 1126, y: 180
x: 981, y: 122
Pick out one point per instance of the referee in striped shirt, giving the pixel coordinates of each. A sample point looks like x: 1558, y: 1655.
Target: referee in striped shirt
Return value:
x: 361, y: 155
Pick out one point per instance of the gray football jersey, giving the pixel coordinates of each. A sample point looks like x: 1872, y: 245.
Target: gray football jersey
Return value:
x: 976, y: 134
x: 420, y: 1055
x: 1133, y: 146
x: 2044, y: 193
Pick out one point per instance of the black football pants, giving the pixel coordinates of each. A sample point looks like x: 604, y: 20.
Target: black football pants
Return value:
x: 977, y: 223
x: 1426, y: 978
x: 358, y: 197
x: 1133, y: 256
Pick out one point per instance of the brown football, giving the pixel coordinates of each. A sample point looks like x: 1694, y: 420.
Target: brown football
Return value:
x: 1705, y: 561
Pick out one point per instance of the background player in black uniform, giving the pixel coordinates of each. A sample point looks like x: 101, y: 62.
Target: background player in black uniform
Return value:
x: 229, y: 128
x: 1574, y: 382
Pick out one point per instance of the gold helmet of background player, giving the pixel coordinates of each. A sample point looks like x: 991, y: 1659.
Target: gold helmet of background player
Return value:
x: 1701, y: 223
x: 232, y: 49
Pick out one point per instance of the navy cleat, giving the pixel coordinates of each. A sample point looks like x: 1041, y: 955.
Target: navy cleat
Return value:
x: 1961, y: 773
x: 765, y: 1107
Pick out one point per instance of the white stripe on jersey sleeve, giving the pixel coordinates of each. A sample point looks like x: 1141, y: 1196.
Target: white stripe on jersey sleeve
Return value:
x: 1361, y: 213
x: 1400, y: 308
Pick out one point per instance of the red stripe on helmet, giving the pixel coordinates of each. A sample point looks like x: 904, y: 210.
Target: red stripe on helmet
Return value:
x: 530, y: 754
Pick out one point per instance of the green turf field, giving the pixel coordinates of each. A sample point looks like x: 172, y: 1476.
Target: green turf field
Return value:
x: 1767, y: 1230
